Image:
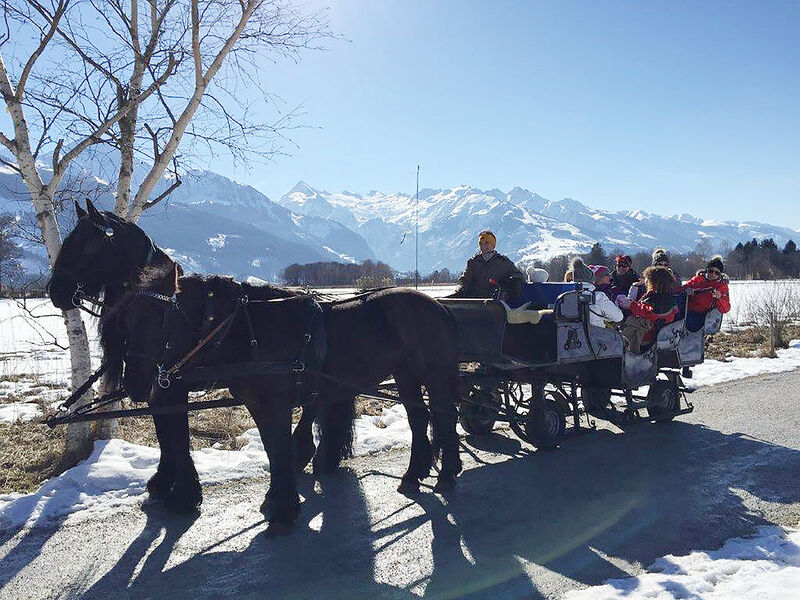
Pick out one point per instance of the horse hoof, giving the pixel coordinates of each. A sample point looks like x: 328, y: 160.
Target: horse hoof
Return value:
x: 323, y: 467
x: 409, y: 486
x: 159, y: 486
x: 266, y: 507
x: 445, y: 485
x: 278, y: 529
x: 184, y: 501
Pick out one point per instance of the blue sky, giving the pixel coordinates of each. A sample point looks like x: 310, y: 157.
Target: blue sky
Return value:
x: 669, y: 107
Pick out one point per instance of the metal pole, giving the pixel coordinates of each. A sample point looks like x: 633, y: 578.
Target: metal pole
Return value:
x: 416, y: 237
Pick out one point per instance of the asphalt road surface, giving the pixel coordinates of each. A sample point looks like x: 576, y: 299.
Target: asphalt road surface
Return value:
x: 522, y: 524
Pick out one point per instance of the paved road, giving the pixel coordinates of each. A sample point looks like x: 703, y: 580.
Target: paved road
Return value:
x: 522, y: 524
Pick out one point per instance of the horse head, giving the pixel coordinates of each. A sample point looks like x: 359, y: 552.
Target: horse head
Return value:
x: 101, y: 251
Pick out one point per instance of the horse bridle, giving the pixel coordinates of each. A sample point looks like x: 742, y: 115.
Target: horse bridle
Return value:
x: 78, y: 295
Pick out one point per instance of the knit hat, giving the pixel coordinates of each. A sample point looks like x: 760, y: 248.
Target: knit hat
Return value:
x: 580, y: 272
x: 599, y: 271
x: 716, y: 263
x: 660, y: 256
x: 623, y: 259
x: 488, y: 236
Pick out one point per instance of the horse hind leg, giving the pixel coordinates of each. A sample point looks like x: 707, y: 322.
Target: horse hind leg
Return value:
x: 337, y: 413
x: 419, y: 467
x: 443, y: 392
x: 303, y: 439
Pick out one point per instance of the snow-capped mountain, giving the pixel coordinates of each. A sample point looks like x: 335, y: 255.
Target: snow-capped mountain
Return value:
x: 211, y: 224
x: 528, y: 226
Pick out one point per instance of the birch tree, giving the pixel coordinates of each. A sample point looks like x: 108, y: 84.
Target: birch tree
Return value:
x: 133, y: 76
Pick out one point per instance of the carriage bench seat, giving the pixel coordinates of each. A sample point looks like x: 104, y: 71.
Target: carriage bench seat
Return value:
x: 539, y: 296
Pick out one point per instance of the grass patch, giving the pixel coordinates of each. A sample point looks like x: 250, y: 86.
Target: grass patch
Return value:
x: 30, y: 453
x: 748, y: 342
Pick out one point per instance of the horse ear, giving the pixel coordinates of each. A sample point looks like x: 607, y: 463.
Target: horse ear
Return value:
x: 79, y: 210
x: 92, y: 210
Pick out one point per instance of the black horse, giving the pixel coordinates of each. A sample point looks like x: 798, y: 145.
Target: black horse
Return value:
x: 164, y: 318
x: 395, y: 332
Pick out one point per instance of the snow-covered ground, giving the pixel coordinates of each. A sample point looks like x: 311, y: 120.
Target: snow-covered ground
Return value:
x: 765, y: 566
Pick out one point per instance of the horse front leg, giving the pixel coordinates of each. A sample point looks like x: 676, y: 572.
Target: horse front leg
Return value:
x: 176, y: 479
x: 282, y: 502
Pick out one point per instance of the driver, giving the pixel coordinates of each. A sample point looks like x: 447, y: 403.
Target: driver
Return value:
x: 485, y: 270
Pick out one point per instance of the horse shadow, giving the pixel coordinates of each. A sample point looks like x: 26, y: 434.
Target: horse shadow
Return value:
x: 328, y: 554
x: 595, y: 508
x: 600, y: 507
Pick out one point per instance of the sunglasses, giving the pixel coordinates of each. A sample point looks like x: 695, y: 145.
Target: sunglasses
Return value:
x: 714, y: 272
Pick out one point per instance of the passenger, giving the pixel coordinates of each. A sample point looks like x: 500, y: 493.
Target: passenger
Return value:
x: 661, y: 259
x: 569, y: 276
x: 623, y: 277
x: 656, y: 306
x: 706, y: 290
x: 636, y: 291
x: 602, y: 310
x: 486, y: 269
x: 602, y: 279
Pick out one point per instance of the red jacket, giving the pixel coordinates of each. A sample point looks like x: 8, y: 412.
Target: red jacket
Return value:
x: 654, y: 308
x: 702, y: 300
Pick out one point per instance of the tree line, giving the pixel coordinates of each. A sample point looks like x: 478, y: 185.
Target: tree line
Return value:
x: 365, y: 275
x: 753, y: 259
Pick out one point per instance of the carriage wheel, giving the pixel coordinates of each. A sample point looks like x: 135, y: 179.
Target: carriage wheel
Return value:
x: 555, y: 419
x: 478, y: 412
x: 664, y: 399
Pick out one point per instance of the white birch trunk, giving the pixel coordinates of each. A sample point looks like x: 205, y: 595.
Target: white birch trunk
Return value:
x: 78, y: 444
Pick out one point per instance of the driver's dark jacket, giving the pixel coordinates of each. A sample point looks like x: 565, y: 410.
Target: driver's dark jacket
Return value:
x: 475, y: 282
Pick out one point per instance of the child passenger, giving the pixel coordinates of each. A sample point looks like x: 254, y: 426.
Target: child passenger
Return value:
x: 706, y: 290
x: 657, y: 305
x: 602, y: 310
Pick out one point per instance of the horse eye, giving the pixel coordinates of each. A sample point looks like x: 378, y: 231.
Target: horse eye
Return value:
x: 109, y: 232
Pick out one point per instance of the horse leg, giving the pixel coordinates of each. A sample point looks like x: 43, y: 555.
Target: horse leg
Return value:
x: 159, y: 485
x: 419, y: 467
x: 303, y: 439
x: 282, y: 502
x: 443, y: 392
x: 185, y: 495
x: 337, y: 412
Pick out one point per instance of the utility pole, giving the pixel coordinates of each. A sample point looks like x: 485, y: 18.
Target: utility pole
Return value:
x: 416, y: 237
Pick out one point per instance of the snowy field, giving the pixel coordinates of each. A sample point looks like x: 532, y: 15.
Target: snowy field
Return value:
x: 34, y: 368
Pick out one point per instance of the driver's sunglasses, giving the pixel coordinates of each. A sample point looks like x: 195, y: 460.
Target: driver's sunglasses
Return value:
x: 714, y: 272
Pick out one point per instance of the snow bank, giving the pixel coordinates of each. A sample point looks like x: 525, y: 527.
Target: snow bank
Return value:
x: 714, y: 371
x: 765, y: 566
x: 19, y: 411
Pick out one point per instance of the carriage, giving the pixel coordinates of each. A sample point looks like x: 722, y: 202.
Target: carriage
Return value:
x: 538, y: 364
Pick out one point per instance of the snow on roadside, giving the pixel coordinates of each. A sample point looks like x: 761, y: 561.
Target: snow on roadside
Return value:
x: 712, y: 372
x: 765, y: 566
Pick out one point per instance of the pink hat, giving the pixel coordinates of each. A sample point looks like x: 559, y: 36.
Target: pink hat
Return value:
x: 599, y: 271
